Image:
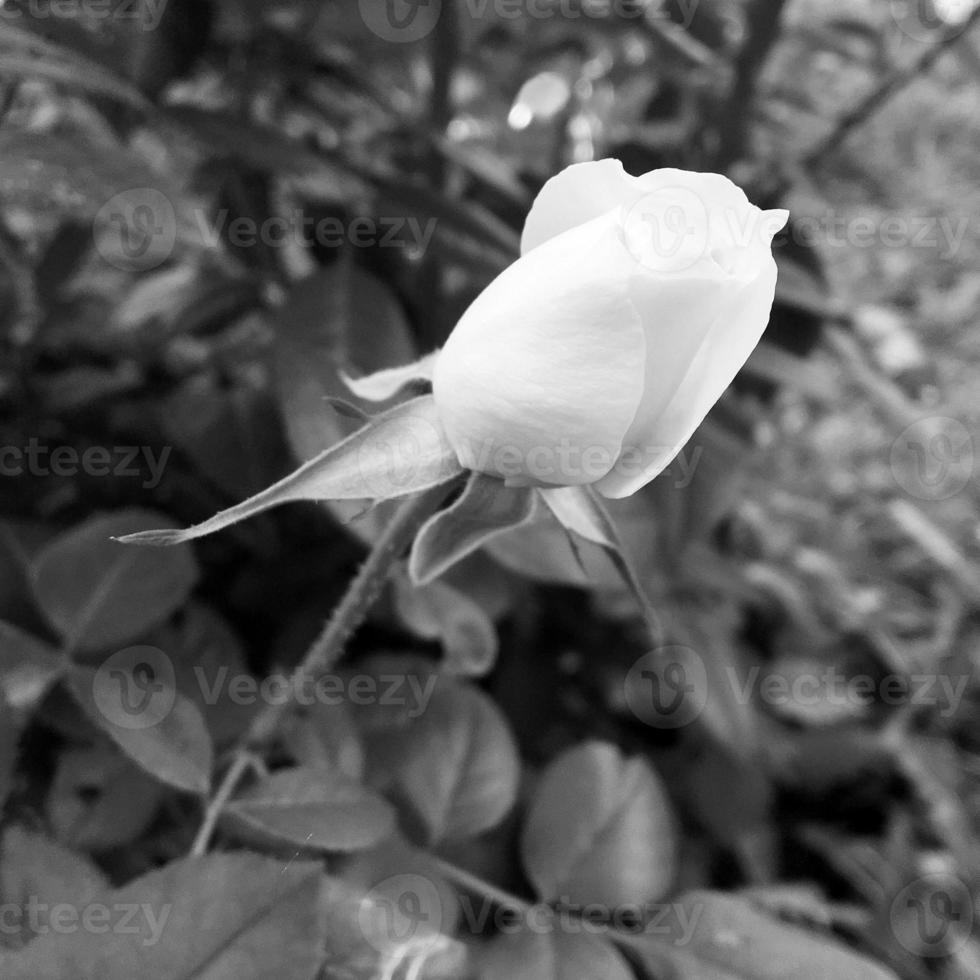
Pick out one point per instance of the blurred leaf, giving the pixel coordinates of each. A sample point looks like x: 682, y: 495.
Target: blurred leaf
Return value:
x: 45, y: 172
x: 339, y: 318
x: 176, y: 749
x: 10, y: 727
x: 98, y: 593
x: 28, y: 667
x: 451, y: 758
x: 211, y: 918
x: 439, y: 611
x: 98, y: 799
x: 36, y: 874
x: 599, y: 829
x: 723, y: 937
x: 324, y: 737
x: 233, y: 436
x: 267, y: 149
x: 30, y: 55
x: 315, y: 809
x: 207, y: 656
x: 551, y: 954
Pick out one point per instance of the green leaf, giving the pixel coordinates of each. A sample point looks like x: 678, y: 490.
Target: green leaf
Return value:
x: 599, y: 829
x: 724, y: 937
x: 315, y: 809
x: 36, y: 871
x: 266, y: 149
x: 28, y: 667
x: 442, y: 747
x: 69, y: 176
x: 99, y: 799
x: 400, y: 452
x: 172, y: 744
x: 319, y: 332
x: 98, y: 594
x: 233, y: 437
x: 439, y: 611
x: 483, y: 510
x: 38, y: 57
x: 214, y: 918
x: 548, y: 953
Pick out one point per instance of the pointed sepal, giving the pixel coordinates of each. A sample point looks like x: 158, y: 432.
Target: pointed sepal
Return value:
x: 398, y: 453
x: 485, y: 508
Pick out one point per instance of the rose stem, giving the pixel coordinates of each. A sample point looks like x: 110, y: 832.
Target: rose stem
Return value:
x: 328, y: 647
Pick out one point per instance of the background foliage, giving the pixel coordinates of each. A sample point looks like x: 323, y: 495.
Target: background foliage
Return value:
x: 206, y: 209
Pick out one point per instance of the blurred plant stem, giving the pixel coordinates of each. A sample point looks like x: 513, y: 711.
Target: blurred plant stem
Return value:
x: 325, y: 652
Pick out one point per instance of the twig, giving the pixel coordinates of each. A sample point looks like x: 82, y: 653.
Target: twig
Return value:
x: 212, y: 814
x: 937, y: 545
x: 327, y: 649
x: 892, y: 85
x: 764, y: 22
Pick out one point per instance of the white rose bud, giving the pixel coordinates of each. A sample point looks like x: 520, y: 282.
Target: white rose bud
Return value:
x: 595, y: 356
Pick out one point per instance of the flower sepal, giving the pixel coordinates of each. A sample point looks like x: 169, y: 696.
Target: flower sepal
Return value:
x: 395, y: 454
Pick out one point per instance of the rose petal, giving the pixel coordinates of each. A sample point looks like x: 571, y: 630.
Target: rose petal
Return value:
x: 650, y: 447
x: 542, y: 376
x: 578, y: 194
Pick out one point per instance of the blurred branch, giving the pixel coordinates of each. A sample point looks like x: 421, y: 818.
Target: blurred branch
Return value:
x: 445, y: 45
x: 763, y: 25
x: 938, y: 546
x: 887, y: 397
x: 892, y: 85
